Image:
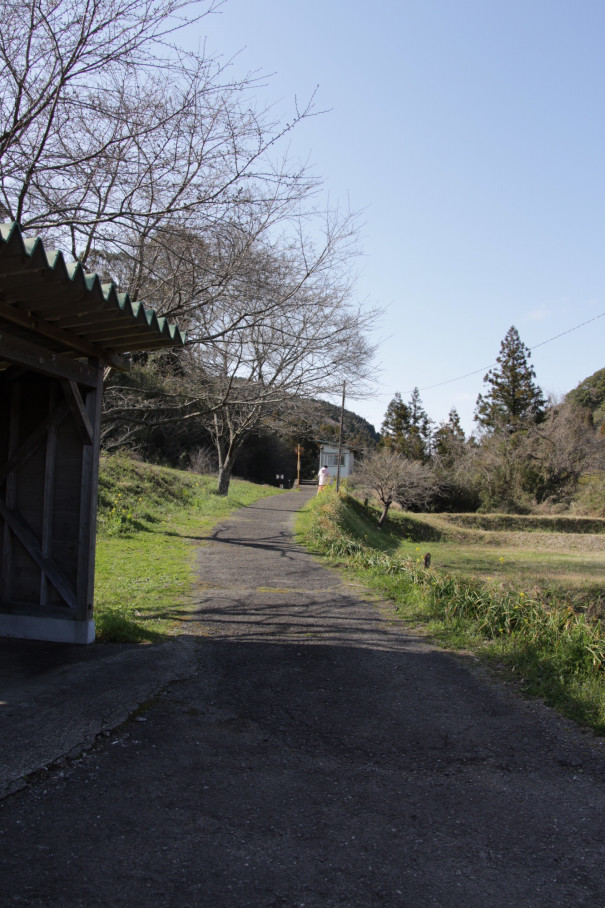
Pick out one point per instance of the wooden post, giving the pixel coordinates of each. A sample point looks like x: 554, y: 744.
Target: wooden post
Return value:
x: 10, y: 493
x: 48, y: 503
x: 88, y: 503
x: 342, y: 416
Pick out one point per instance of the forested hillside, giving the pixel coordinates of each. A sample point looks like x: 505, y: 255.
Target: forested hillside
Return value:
x: 150, y: 412
x: 590, y: 394
x: 529, y: 453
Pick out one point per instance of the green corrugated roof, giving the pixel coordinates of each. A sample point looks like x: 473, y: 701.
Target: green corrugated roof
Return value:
x: 73, y: 303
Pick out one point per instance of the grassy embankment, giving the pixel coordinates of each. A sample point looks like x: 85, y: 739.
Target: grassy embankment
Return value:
x: 526, y: 599
x: 148, y: 518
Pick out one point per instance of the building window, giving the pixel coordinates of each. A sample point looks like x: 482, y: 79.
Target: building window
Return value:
x: 332, y: 460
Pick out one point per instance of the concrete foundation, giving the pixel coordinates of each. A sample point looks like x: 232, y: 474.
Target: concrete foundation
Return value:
x: 57, y: 630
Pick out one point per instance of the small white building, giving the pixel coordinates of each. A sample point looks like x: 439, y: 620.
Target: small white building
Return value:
x: 328, y: 457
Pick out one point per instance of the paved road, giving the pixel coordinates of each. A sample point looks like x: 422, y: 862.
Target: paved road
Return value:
x: 310, y: 753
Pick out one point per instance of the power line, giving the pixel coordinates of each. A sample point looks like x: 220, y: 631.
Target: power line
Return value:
x: 569, y: 330
x: 535, y: 347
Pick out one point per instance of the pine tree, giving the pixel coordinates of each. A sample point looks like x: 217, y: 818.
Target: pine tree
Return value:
x: 449, y: 439
x: 407, y: 427
x: 396, y: 421
x: 513, y: 399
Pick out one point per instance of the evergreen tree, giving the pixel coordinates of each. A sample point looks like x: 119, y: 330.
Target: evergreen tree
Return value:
x: 449, y: 439
x: 407, y: 427
x: 590, y: 394
x: 513, y: 399
x: 396, y: 421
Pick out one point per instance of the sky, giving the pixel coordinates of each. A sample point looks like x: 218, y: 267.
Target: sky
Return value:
x: 470, y: 136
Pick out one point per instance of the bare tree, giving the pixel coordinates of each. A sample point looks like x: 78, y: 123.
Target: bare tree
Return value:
x: 283, y: 330
x: 496, y: 467
x: 116, y: 142
x: 153, y: 164
x: 50, y: 50
x: 541, y: 464
x: 309, y: 339
x: 560, y: 450
x: 144, y: 402
x: 390, y: 477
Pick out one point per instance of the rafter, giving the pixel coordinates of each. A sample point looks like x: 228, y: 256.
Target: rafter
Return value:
x: 71, y: 341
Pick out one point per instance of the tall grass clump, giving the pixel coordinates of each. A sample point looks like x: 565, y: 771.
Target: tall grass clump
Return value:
x: 556, y: 652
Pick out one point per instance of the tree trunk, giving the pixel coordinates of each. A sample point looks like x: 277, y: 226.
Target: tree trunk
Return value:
x: 383, y: 516
x: 224, y: 478
x: 225, y: 452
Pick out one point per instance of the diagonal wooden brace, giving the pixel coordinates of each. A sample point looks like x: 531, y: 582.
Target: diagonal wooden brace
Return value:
x: 31, y: 545
x: 76, y: 405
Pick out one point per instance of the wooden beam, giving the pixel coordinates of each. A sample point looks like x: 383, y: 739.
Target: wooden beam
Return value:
x: 16, y: 316
x: 31, y: 545
x: 88, y: 504
x: 76, y: 405
x: 48, y: 502
x: 11, y: 491
x: 18, y: 272
x: 39, y: 359
x: 135, y: 344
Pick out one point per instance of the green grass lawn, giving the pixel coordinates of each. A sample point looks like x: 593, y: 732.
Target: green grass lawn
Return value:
x: 148, y: 523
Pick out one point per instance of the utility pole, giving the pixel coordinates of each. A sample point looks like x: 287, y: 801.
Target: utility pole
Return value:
x: 342, y: 416
x: 298, y: 466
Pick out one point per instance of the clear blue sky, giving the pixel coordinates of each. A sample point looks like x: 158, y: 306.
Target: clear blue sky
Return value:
x: 471, y: 135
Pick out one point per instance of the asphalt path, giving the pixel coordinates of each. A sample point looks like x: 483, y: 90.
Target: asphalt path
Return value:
x: 298, y: 747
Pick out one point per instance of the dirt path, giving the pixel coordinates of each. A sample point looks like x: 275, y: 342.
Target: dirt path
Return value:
x: 315, y: 754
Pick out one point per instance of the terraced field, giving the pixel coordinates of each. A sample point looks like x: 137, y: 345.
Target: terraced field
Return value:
x: 513, y: 551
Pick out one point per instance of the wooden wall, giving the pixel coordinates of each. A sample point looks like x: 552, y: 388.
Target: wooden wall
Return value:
x: 49, y: 437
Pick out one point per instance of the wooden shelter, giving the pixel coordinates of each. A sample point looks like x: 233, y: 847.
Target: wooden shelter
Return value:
x: 59, y: 328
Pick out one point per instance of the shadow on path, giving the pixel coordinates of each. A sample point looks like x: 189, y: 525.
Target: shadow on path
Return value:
x: 314, y: 753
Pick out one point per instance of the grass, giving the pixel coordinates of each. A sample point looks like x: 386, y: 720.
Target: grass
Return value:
x: 549, y: 565
x: 148, y: 519
x: 546, y: 637
x: 528, y: 567
x: 527, y: 523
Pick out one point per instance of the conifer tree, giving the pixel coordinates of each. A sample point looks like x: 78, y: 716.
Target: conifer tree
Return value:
x: 407, y: 427
x: 514, y: 399
x: 396, y: 421
x: 449, y: 438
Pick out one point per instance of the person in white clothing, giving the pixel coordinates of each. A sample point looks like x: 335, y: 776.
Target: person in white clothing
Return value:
x: 324, y: 479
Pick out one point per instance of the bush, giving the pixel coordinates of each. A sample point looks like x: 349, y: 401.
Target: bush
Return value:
x: 590, y: 498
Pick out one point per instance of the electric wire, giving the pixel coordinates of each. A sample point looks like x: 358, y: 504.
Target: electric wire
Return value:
x: 535, y: 347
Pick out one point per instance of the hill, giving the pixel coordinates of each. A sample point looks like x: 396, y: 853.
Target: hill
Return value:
x: 590, y: 394
x: 325, y: 422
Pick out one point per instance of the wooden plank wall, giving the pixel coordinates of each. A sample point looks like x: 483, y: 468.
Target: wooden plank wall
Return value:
x: 49, y: 435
